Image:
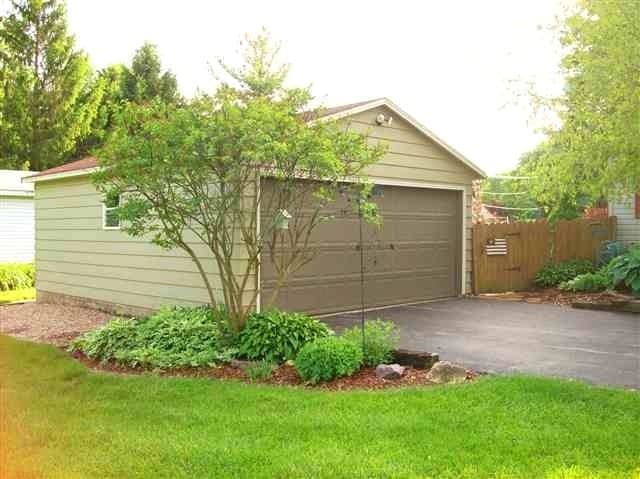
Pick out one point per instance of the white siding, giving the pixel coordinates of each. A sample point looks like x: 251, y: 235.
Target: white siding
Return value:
x: 17, y: 242
x: 628, y: 225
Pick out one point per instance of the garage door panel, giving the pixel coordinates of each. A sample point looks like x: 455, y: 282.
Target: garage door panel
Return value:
x: 413, y: 256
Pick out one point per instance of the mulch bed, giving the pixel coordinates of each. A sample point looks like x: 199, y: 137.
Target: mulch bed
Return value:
x: 560, y: 297
x: 283, y: 375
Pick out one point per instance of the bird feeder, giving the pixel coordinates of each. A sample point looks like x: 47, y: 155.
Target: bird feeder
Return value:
x: 282, y: 220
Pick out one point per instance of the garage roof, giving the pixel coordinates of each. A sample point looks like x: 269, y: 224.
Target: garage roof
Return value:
x: 90, y: 164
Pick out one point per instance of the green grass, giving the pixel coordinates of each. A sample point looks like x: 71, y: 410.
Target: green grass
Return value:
x: 64, y: 421
x: 17, y: 295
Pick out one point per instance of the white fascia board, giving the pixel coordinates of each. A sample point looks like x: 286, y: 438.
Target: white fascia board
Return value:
x: 62, y: 174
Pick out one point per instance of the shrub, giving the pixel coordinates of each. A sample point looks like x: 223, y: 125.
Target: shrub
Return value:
x: 380, y: 339
x: 588, y: 283
x: 328, y: 358
x: 611, y: 250
x: 553, y: 274
x: 260, y: 371
x: 172, y: 337
x: 17, y: 276
x: 625, y: 269
x: 277, y: 336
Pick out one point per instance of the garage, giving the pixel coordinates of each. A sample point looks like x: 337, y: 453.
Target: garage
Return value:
x: 414, y: 255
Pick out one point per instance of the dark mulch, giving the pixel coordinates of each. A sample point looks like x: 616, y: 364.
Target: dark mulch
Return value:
x: 283, y: 375
x: 560, y: 297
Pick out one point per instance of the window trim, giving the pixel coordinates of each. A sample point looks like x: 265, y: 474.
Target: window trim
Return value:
x: 105, y: 209
x: 637, y: 205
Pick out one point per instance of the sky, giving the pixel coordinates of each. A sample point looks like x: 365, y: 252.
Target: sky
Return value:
x: 461, y: 67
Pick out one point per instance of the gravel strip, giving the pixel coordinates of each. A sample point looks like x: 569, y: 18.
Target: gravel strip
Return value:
x: 49, y: 323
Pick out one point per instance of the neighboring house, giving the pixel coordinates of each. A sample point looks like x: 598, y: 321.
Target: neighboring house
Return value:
x: 627, y: 210
x: 17, y: 229
x: 422, y: 252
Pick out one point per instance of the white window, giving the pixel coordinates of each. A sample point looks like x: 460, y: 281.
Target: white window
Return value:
x: 110, y: 220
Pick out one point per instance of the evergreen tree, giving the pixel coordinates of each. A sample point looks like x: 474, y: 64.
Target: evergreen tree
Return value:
x: 47, y: 104
x: 144, y: 80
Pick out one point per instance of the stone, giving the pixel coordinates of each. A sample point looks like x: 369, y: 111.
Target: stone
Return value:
x: 240, y: 363
x: 389, y: 371
x: 416, y: 359
x: 444, y: 372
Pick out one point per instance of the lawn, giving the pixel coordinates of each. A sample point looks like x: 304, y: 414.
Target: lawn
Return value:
x: 17, y: 295
x: 61, y: 420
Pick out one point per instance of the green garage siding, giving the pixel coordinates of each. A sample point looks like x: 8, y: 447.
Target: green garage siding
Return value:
x: 76, y: 257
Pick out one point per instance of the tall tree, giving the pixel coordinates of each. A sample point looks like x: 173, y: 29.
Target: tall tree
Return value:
x: 145, y: 81
x: 47, y: 103
x: 186, y: 176
x: 596, y: 150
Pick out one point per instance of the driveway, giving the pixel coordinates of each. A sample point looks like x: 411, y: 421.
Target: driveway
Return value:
x: 502, y: 336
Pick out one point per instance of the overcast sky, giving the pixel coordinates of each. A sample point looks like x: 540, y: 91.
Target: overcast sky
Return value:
x: 457, y: 66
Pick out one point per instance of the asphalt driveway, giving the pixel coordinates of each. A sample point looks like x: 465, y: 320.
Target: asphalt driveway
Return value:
x: 502, y: 336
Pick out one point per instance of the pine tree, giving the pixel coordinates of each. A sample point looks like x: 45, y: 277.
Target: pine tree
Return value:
x: 145, y: 81
x: 47, y: 101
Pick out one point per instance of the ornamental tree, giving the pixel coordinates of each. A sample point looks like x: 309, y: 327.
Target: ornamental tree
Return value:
x: 188, y: 176
x: 595, y: 151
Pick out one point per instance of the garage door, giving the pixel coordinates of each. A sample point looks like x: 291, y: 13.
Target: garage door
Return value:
x: 413, y: 256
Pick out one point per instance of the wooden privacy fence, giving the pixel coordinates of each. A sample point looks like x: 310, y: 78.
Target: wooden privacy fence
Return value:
x: 506, y: 257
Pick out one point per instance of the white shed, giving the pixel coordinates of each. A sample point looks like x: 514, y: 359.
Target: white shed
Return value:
x: 17, y: 220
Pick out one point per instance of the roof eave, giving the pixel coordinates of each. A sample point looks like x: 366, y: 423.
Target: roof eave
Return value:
x: 60, y: 175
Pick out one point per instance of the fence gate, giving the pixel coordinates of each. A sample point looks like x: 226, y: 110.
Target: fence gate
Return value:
x: 506, y: 257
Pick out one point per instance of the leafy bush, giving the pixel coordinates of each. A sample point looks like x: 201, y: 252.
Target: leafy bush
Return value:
x: 17, y: 276
x: 260, y: 371
x: 625, y: 270
x: 588, y: 283
x: 172, y: 337
x: 328, y: 358
x: 380, y: 339
x: 277, y: 336
x: 610, y: 250
x: 553, y: 274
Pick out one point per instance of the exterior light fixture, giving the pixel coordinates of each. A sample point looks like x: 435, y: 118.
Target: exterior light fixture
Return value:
x: 282, y: 220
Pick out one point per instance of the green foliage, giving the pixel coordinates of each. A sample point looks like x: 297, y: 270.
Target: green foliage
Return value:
x: 587, y: 283
x: 188, y: 170
x: 277, y: 336
x: 48, y: 102
x: 172, y: 337
x: 144, y: 80
x: 328, y: 358
x: 17, y: 276
x: 15, y: 295
x: 381, y: 338
x: 553, y: 274
x: 625, y: 270
x: 259, y: 371
x: 611, y: 250
x: 595, y: 149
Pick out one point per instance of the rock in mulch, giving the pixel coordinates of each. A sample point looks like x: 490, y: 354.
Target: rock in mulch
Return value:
x: 445, y: 372
x: 416, y: 359
x: 389, y: 371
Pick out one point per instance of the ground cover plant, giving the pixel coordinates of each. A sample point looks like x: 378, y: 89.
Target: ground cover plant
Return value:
x: 172, y: 337
x: 624, y: 270
x: 380, y: 339
x: 17, y: 295
x: 277, y: 336
x: 328, y: 358
x: 14, y: 276
x: 553, y: 274
x: 57, y: 417
x: 588, y: 282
